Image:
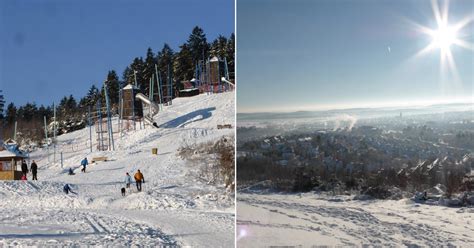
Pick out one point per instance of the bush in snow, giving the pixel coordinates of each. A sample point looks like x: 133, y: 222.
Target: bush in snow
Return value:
x: 215, y: 158
x: 378, y: 192
x: 305, y: 179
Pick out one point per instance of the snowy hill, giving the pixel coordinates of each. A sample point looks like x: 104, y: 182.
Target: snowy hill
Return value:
x: 175, y: 206
x: 320, y: 220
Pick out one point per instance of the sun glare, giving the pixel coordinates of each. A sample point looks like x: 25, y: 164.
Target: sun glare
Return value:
x: 444, y: 37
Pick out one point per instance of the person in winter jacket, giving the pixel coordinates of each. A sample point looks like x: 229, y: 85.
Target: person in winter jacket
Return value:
x: 84, y: 163
x: 34, y: 170
x: 67, y: 189
x: 139, y: 179
x: 24, y: 167
x: 128, y: 180
x: 71, y: 172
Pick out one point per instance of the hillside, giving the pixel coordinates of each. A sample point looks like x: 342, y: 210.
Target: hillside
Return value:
x: 321, y: 220
x: 176, y: 205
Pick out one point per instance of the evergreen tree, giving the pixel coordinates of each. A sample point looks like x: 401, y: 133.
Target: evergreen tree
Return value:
x: 113, y: 87
x: 11, y: 113
x: 71, y: 104
x: 138, y: 67
x: 231, y: 56
x: 149, y: 69
x: 44, y: 111
x: 61, y: 108
x: 27, y: 112
x: 92, y: 96
x: 219, y: 47
x: 197, y: 44
x: 165, y: 66
x: 127, y: 76
x: 183, y: 64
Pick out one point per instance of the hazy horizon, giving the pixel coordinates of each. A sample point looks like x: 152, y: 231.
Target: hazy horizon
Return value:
x: 465, y: 101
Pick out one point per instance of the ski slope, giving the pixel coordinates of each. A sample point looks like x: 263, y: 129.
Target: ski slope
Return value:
x: 176, y: 207
x: 315, y: 220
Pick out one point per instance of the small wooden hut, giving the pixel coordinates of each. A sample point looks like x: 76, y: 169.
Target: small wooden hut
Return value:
x: 10, y: 161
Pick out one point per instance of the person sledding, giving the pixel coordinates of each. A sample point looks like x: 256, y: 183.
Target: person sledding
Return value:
x: 71, y: 172
x: 84, y: 164
x: 68, y: 189
x: 139, y: 179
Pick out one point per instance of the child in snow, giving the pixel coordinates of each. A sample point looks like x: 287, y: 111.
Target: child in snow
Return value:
x: 71, y: 172
x: 139, y: 179
x: 67, y: 189
x: 128, y: 180
x: 84, y: 163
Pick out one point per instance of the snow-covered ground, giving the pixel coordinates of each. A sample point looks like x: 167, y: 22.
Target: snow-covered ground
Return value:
x: 315, y: 220
x: 174, y: 208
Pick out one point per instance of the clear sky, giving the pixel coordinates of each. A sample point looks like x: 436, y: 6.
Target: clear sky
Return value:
x: 53, y: 48
x: 320, y: 54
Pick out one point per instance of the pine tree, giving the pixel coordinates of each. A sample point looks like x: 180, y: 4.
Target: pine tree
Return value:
x: 11, y: 113
x: 149, y: 69
x: 127, y: 76
x: 138, y: 67
x: 61, y: 108
x: 27, y: 112
x: 71, y: 104
x: 92, y: 96
x: 165, y: 65
x: 231, y: 55
x: 219, y: 47
x: 197, y: 44
x: 113, y: 87
x: 183, y: 64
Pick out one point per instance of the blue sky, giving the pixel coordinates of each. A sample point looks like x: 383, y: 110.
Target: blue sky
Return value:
x: 53, y: 48
x: 307, y: 55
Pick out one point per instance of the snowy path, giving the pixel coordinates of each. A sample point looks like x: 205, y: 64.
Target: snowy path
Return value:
x: 268, y: 219
x: 174, y: 208
x: 42, y: 227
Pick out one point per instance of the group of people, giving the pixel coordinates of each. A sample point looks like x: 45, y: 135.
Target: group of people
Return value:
x: 25, y: 170
x: 139, y: 179
x: 84, y: 164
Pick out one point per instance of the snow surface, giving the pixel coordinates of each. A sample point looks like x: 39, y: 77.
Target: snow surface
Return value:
x: 174, y: 208
x: 316, y: 220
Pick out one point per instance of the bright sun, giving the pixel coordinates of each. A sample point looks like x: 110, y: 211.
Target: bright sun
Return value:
x: 444, y: 37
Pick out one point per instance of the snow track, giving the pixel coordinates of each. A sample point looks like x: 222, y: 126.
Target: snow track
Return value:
x: 314, y: 221
x: 76, y: 226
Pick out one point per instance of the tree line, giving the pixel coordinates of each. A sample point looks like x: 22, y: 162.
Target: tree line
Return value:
x: 177, y: 66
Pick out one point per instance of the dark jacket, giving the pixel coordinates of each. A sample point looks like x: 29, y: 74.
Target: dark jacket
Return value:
x: 24, y: 167
x: 34, y: 167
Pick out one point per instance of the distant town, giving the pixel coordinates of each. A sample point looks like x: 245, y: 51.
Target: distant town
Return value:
x: 414, y: 152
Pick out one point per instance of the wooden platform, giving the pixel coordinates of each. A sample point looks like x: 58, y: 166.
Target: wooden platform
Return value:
x: 95, y: 159
x: 224, y: 126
